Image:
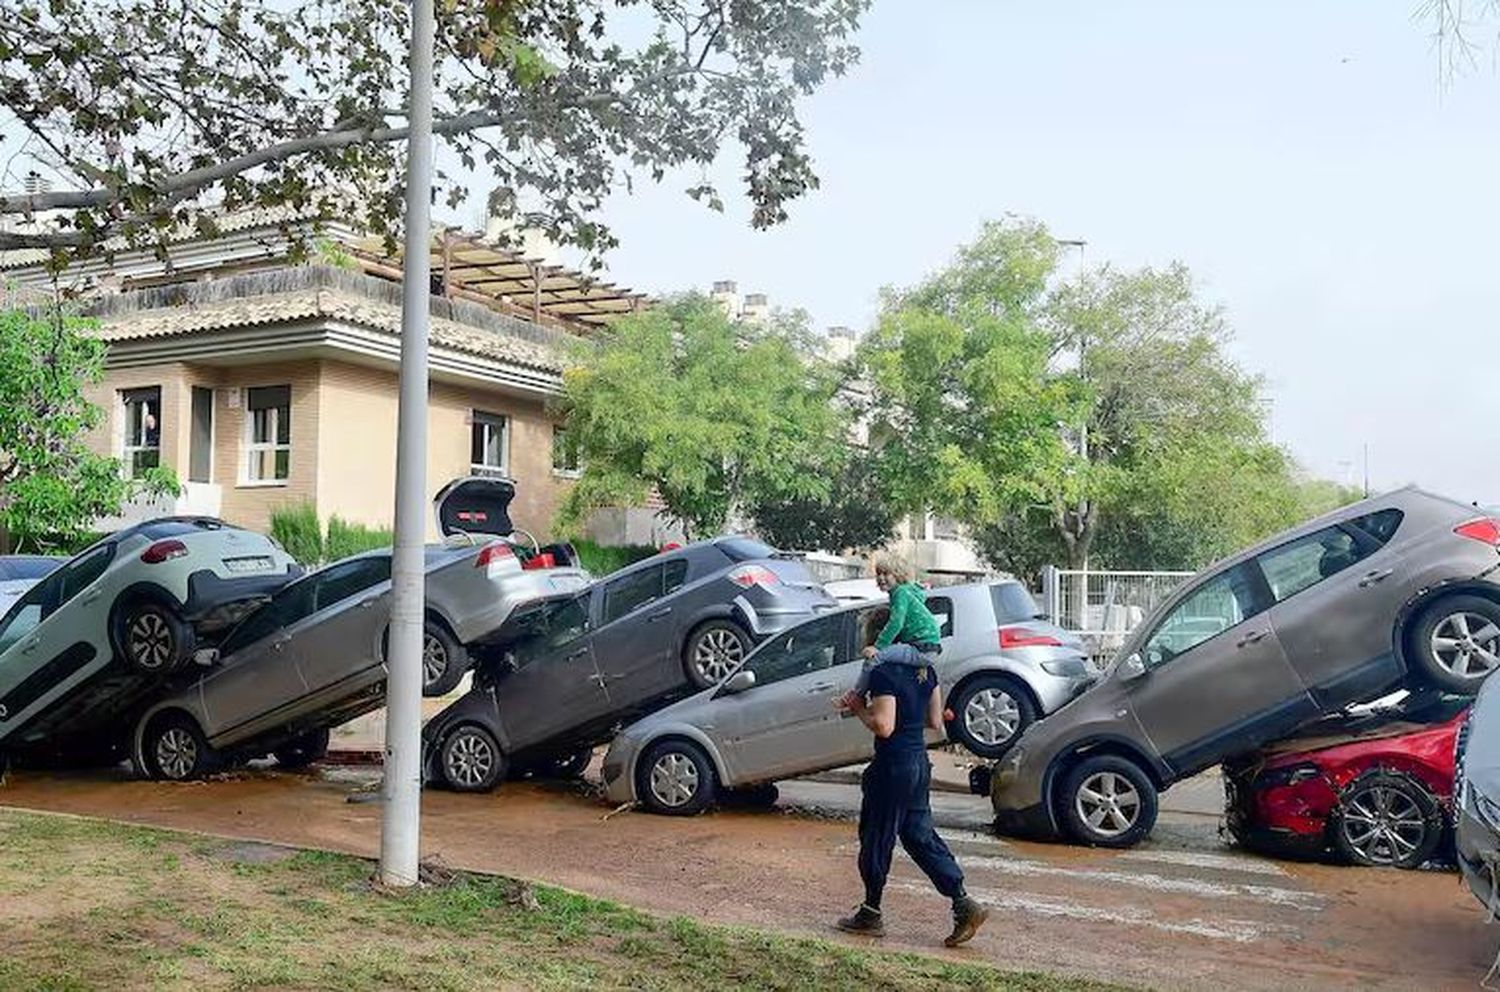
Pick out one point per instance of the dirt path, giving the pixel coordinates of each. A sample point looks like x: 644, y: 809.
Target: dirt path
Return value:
x: 1183, y: 912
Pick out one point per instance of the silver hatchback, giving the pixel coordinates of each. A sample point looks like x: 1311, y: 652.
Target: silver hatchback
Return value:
x: 1002, y: 665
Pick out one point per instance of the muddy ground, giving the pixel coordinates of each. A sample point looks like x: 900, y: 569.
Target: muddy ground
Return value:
x: 1183, y: 911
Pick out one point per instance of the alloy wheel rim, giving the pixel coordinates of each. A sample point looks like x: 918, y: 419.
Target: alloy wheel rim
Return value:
x: 991, y: 716
x: 674, y: 780
x: 1108, y: 803
x: 150, y: 640
x: 176, y: 753
x: 1384, y: 825
x: 434, y: 659
x: 470, y: 759
x: 718, y: 653
x: 1467, y: 644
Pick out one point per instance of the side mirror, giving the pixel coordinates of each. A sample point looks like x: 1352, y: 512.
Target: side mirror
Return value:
x: 1132, y: 668
x: 740, y: 681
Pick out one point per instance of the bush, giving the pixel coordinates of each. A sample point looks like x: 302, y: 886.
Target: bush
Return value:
x: 345, y: 539
x: 297, y: 529
x: 602, y: 559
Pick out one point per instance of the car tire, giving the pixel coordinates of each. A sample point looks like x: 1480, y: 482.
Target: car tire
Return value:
x: 153, y: 639
x: 675, y: 778
x: 1108, y: 801
x: 303, y: 751
x: 444, y: 661
x: 175, y: 750
x: 1386, y: 820
x: 990, y: 712
x: 470, y: 759
x: 1455, y: 642
x: 713, y: 650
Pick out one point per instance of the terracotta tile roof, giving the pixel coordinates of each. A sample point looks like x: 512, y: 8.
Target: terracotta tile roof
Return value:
x: 326, y: 303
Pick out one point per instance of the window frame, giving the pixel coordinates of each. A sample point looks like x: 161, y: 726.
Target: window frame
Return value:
x: 273, y: 447
x: 840, y: 624
x: 335, y: 572
x: 134, y: 443
x: 486, y: 421
x: 1365, y: 545
x: 658, y: 568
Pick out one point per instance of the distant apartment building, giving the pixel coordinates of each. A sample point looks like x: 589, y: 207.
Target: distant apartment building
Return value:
x: 263, y: 382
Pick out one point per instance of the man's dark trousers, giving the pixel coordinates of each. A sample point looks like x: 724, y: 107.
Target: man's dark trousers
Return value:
x: 896, y: 805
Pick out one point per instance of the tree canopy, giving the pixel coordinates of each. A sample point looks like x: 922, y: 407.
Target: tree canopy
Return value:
x: 710, y: 414
x: 147, y: 108
x: 52, y: 486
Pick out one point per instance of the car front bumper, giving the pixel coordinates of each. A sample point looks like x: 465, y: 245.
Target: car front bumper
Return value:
x: 619, y: 782
x: 1478, y: 850
x: 1018, y: 797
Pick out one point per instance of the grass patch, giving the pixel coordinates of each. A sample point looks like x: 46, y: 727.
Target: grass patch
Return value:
x: 91, y: 905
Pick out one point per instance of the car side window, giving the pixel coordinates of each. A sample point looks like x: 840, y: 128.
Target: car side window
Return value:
x: 343, y: 581
x: 626, y: 595
x: 81, y: 574
x: 1305, y: 562
x: 941, y: 608
x: 1380, y: 526
x: 22, y: 618
x: 1229, y: 598
x: 675, y: 576
x: 810, y: 647
x: 567, y: 622
x: 284, y: 609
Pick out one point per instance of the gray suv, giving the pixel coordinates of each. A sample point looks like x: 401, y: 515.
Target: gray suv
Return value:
x: 1400, y: 588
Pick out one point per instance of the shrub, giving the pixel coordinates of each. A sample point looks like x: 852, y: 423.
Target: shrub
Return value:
x: 345, y: 538
x: 602, y: 559
x: 299, y: 532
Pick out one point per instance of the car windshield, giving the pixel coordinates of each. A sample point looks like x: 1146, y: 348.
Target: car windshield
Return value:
x: 1013, y: 603
x: 744, y: 549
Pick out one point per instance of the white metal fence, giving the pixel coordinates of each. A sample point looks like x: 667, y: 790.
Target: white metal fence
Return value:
x: 1104, y: 606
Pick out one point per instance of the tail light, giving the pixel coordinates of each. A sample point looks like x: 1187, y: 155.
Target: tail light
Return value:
x: 164, y: 551
x: 538, y: 562
x: 1485, y: 529
x: 753, y: 575
x: 1025, y: 637
x: 494, y: 554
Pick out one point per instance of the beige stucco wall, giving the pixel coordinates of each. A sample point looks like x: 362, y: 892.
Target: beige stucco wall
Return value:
x: 343, y: 438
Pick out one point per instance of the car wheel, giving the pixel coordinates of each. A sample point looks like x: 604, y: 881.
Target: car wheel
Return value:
x: 444, y: 661
x: 175, y: 750
x: 675, y: 778
x: 1385, y: 820
x: 989, y: 713
x: 1108, y: 802
x: 472, y: 760
x: 713, y: 651
x: 1456, y: 642
x: 154, y: 639
x: 303, y: 751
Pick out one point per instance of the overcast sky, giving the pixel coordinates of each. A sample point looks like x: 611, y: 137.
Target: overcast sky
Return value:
x: 1300, y: 157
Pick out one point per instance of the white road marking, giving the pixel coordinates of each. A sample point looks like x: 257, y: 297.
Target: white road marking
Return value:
x: 1239, y: 931
x: 1153, y: 883
x: 1203, y: 859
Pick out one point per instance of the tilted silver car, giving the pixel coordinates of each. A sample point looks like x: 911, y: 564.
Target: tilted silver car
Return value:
x: 1476, y: 797
x: 122, y: 616
x: 774, y: 718
x: 1402, y: 588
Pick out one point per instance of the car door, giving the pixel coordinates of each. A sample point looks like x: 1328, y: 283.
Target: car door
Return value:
x: 1216, y: 681
x: 634, y: 643
x: 554, y: 686
x: 1337, y: 593
x: 257, y: 670
x: 351, y: 609
x: 787, y: 722
x: 45, y: 643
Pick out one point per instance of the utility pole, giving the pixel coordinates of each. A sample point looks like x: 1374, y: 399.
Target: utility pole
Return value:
x: 400, y: 817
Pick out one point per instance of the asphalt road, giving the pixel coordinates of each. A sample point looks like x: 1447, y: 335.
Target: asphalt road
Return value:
x: 1182, y: 911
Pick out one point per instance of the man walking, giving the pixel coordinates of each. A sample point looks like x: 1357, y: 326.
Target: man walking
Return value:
x: 903, y: 704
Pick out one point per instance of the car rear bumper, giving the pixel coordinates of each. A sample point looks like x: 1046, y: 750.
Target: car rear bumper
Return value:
x: 1053, y: 692
x: 214, y: 603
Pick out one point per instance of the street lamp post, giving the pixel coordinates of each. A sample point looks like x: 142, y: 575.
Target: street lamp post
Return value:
x: 400, y: 819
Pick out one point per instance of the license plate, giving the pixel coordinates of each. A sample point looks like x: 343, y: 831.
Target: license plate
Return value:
x: 258, y: 564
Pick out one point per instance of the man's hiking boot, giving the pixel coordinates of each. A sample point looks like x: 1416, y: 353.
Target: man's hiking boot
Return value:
x: 968, y: 917
x: 865, y: 921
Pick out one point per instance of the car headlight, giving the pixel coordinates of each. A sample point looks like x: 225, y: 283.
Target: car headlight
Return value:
x: 1071, y: 668
x: 1291, y: 775
x: 1488, y: 809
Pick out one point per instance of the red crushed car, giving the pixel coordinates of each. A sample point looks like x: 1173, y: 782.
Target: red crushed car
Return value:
x: 1373, y: 788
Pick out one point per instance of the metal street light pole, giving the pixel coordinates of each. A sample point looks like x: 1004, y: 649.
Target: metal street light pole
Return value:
x: 400, y: 818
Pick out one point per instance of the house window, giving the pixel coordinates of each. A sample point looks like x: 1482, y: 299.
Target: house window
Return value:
x: 564, y: 462
x: 142, y: 429
x: 268, y: 434
x: 488, y: 444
